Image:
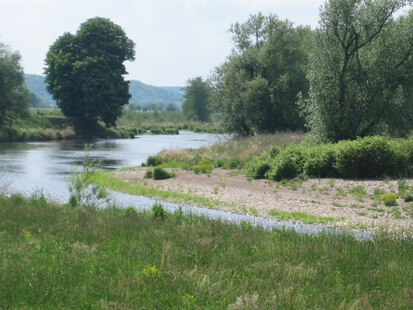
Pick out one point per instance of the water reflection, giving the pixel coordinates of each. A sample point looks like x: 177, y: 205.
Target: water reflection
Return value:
x: 45, y: 165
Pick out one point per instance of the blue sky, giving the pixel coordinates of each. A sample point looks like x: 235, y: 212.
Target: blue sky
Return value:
x: 175, y: 39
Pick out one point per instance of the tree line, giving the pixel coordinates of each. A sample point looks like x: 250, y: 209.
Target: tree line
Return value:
x: 350, y: 77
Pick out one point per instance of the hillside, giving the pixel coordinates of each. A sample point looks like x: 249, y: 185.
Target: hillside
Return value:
x: 39, y: 96
x: 142, y: 94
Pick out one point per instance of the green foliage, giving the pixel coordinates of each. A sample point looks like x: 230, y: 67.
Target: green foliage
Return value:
x: 203, y: 167
x: 13, y: 93
x: 82, y: 191
x: 161, y: 174
x: 84, y: 72
x: 353, y: 92
x: 154, y: 160
x: 256, y: 88
x: 55, y: 257
x: 148, y: 174
x: 158, y: 211
x: 368, y: 157
x: 196, y: 100
x: 287, y: 164
x: 300, y: 216
x: 389, y: 199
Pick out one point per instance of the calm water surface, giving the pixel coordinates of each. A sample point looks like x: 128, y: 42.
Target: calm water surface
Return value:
x: 44, y: 166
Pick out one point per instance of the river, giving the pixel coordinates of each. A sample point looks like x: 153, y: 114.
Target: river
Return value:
x: 43, y: 167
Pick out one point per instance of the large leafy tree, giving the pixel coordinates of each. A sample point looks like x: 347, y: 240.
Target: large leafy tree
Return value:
x: 256, y: 88
x: 360, y: 70
x: 84, y: 72
x: 13, y: 93
x: 197, y: 99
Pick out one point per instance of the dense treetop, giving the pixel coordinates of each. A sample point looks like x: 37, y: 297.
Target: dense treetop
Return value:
x: 85, y: 71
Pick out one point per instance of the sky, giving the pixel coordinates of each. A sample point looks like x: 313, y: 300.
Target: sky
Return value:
x: 175, y: 39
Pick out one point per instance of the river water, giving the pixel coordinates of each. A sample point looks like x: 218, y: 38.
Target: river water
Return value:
x: 35, y: 167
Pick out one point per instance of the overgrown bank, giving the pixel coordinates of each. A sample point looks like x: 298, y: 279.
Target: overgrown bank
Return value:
x: 221, y: 176
x: 50, y: 124
x: 54, y: 256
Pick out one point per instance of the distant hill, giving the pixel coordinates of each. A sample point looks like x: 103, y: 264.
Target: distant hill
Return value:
x: 142, y: 94
x: 39, y: 96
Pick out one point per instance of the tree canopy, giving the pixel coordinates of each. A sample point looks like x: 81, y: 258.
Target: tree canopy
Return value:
x: 196, y: 100
x: 360, y: 71
x: 84, y: 72
x: 13, y: 93
x: 256, y: 88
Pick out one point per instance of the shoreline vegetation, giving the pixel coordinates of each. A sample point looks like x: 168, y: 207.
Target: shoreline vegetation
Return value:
x: 224, y: 176
x: 60, y: 256
x: 50, y: 124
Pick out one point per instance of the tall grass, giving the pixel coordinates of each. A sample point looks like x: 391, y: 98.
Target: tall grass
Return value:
x: 230, y: 153
x: 54, y: 257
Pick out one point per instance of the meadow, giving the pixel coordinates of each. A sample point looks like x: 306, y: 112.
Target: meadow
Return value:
x: 56, y: 256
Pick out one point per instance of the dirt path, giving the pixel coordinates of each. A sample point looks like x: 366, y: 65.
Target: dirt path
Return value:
x: 352, y: 203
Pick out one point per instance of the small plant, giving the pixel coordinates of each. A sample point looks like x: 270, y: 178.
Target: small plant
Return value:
x: 378, y: 192
x: 158, y: 211
x: 203, y: 168
x: 161, y: 174
x: 358, y: 191
x: 82, y: 191
x: 389, y: 199
x: 148, y: 174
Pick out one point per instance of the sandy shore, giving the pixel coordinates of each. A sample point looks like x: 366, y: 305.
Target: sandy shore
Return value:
x: 341, y: 199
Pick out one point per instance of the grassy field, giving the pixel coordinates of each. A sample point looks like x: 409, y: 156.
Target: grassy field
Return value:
x: 55, y: 257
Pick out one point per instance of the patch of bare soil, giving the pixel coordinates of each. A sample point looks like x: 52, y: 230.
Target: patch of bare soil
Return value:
x: 353, y: 203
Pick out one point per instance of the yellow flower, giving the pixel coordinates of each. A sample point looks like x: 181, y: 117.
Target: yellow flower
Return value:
x: 150, y: 271
x: 188, y: 298
x: 27, y: 234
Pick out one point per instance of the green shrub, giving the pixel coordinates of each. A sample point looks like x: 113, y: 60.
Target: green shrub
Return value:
x: 148, y: 174
x: 158, y: 211
x: 389, y: 199
x: 321, y: 161
x: 365, y: 158
x: 203, y: 167
x: 287, y: 164
x: 369, y: 157
x: 161, y: 174
x: 258, y: 166
x: 153, y: 161
x: 408, y: 197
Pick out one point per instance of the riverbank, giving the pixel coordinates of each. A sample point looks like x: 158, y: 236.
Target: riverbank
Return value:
x: 218, y: 177
x: 50, y: 124
x: 57, y: 257
x: 328, y: 202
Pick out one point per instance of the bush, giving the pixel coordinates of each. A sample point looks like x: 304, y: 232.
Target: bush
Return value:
x: 365, y: 158
x: 158, y: 211
x: 389, y: 199
x: 148, y: 174
x: 369, y: 157
x: 161, y: 174
x: 258, y: 166
x: 153, y: 161
x: 203, y: 167
x: 321, y: 162
x: 287, y: 164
